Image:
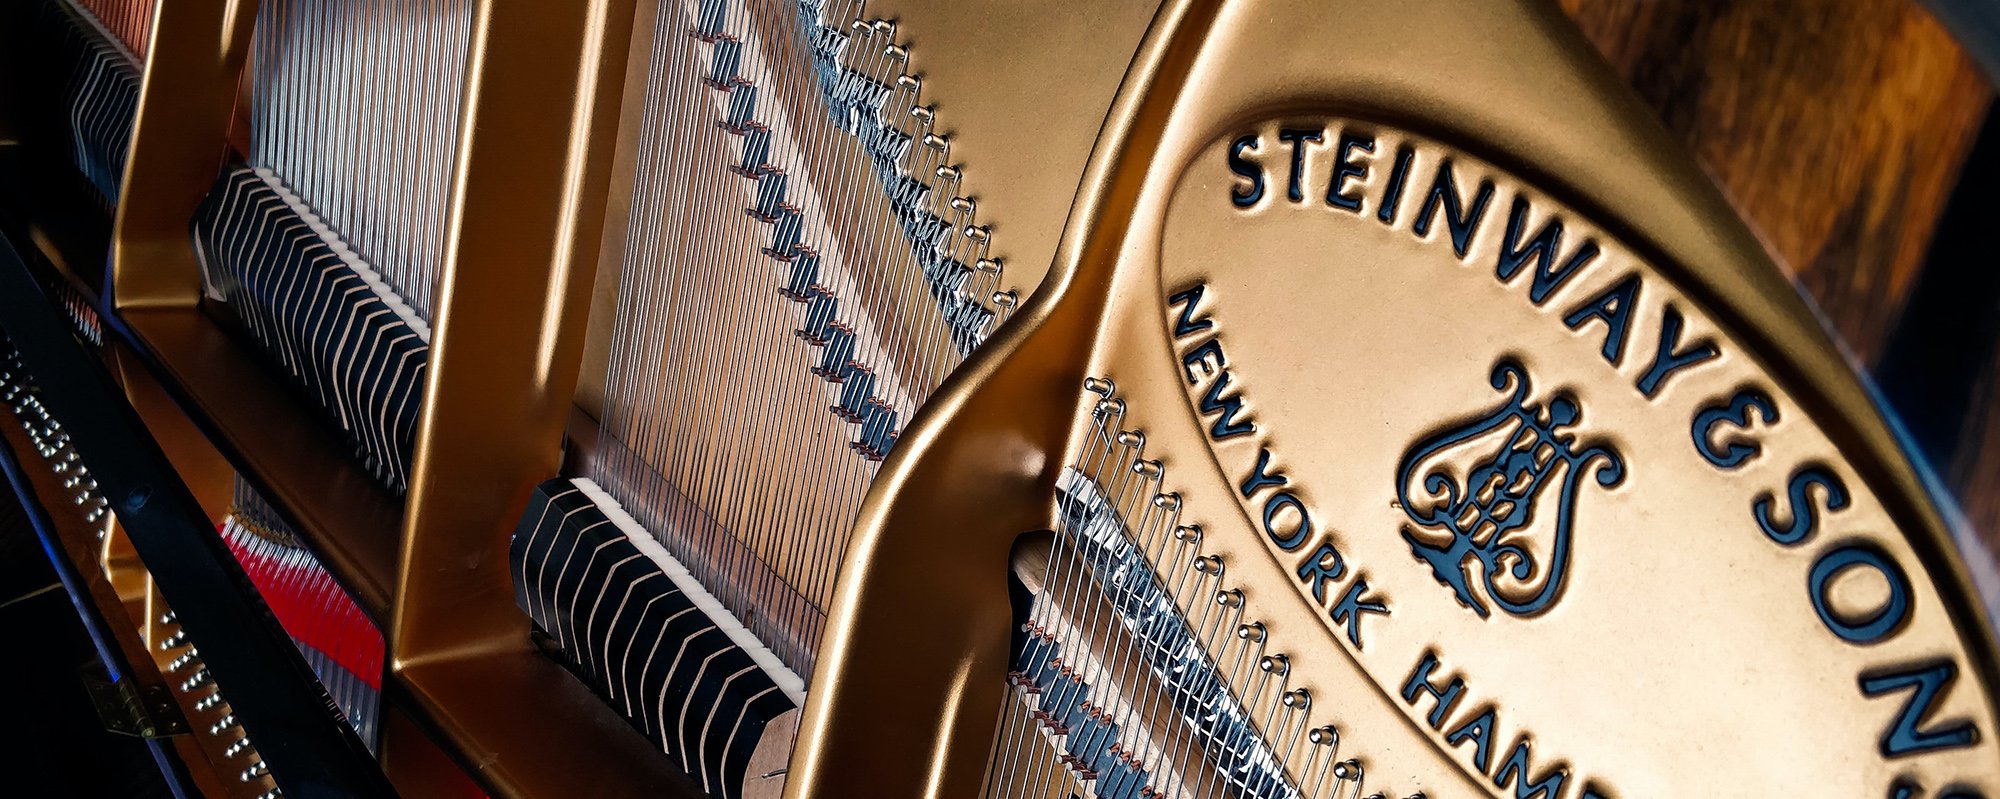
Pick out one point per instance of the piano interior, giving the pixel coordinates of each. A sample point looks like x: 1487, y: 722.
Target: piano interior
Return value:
x: 1137, y: 399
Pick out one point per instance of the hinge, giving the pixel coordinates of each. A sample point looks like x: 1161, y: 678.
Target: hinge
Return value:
x: 144, y: 711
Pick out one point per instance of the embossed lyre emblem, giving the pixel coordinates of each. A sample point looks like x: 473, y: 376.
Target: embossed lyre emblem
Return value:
x: 1518, y: 450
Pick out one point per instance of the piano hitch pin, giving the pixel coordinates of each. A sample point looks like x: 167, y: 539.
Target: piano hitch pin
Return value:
x: 1324, y: 736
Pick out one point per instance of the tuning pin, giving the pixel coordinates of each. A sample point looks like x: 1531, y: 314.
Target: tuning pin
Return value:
x: 1280, y: 667
x: 1349, y: 771
x: 1299, y: 703
x: 1204, y: 567
x: 1155, y: 536
x: 1189, y: 534
x: 255, y: 771
x: 1323, y: 739
x: 1109, y: 412
x: 1132, y: 438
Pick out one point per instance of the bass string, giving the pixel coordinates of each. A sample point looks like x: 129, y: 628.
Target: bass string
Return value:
x: 1062, y: 589
x: 648, y: 353
x: 757, y: 337
x: 1026, y: 769
x: 727, y: 449
x: 799, y: 416
x: 668, y: 351
x: 846, y: 198
x: 355, y: 106
x: 1120, y: 669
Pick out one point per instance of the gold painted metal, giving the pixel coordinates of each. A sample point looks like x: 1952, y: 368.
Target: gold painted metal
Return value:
x: 1021, y: 92
x: 415, y: 763
x: 179, y: 142
x: 121, y: 565
x: 179, y: 132
x: 530, y: 180
x: 527, y: 209
x: 915, y: 648
x: 207, y: 475
x: 618, y: 195
x: 536, y: 147
x: 916, y: 640
x: 1020, y: 89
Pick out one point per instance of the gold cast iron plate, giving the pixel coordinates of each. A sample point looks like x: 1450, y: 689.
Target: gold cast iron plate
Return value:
x: 1684, y: 651
x: 1632, y: 577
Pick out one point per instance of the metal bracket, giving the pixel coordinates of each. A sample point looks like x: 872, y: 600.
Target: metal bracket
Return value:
x: 141, y: 711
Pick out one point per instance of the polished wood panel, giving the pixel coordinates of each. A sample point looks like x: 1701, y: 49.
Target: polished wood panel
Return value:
x: 1836, y: 129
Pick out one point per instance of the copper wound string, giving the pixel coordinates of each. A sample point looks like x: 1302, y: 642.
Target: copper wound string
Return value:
x: 800, y: 273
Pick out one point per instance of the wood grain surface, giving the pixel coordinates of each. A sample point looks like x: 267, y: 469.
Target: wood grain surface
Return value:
x: 1838, y: 130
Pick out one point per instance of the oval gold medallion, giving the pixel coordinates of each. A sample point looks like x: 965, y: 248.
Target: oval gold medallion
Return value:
x: 1576, y: 534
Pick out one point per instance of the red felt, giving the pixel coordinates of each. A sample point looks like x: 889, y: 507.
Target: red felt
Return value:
x: 312, y: 607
